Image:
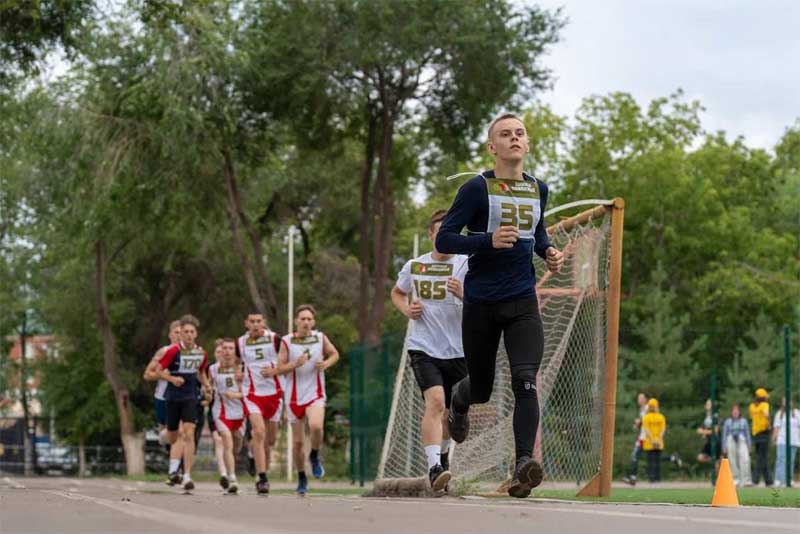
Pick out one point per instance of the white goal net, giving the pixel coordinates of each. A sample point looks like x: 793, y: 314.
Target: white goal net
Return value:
x: 573, y: 306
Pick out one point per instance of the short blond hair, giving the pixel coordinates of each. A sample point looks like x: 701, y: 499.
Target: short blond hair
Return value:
x: 502, y: 117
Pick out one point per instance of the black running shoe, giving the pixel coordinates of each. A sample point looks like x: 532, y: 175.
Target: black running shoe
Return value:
x: 224, y: 482
x: 527, y: 475
x: 302, y: 486
x: 458, y: 425
x: 444, y: 460
x: 174, y: 479
x: 439, y: 478
x: 262, y: 487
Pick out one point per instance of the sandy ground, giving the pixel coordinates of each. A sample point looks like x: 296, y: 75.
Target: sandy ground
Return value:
x: 106, y: 505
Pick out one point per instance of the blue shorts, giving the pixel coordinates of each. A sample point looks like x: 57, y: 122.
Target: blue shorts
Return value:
x: 161, y: 412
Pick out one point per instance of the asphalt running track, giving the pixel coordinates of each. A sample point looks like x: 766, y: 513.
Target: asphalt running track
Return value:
x: 106, y: 505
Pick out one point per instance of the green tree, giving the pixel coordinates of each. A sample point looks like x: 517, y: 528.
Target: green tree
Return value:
x: 758, y: 362
x: 28, y: 28
x: 374, y: 70
x: 660, y: 361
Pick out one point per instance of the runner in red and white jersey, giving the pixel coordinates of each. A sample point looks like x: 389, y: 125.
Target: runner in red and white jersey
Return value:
x: 304, y: 356
x: 151, y: 375
x: 227, y: 409
x: 263, y: 395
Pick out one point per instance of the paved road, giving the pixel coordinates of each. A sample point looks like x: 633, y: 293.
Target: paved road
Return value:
x: 100, y: 505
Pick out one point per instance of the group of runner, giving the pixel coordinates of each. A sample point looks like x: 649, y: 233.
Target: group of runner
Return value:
x: 254, y: 380
x: 460, y: 299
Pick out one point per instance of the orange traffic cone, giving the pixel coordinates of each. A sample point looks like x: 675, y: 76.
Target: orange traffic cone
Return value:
x: 725, y: 490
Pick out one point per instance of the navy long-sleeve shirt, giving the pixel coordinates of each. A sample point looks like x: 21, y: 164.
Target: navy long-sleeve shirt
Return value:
x: 495, y: 275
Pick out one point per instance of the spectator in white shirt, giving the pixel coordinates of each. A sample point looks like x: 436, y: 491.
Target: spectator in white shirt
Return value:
x: 779, y: 438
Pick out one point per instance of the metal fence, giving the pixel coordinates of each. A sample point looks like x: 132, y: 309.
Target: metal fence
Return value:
x: 65, y: 460
x: 372, y: 374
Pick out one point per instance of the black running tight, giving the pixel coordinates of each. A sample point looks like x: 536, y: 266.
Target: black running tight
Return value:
x: 520, y: 325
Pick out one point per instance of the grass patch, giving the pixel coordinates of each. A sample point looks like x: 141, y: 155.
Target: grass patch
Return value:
x: 780, y: 497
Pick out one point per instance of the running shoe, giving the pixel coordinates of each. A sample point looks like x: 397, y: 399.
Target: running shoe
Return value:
x: 316, y: 467
x: 302, y: 486
x: 439, y: 478
x: 527, y: 475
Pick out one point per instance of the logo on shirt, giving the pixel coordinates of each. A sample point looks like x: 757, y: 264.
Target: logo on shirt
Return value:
x: 512, y: 188
x: 432, y: 269
x: 307, y: 340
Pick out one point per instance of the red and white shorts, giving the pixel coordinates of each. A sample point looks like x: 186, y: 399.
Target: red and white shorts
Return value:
x: 231, y: 424
x: 297, y: 412
x: 269, y: 406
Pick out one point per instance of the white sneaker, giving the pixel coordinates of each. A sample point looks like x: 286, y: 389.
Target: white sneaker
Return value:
x: 188, y: 485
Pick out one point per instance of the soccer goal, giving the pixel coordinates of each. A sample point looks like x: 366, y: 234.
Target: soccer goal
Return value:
x: 577, y: 380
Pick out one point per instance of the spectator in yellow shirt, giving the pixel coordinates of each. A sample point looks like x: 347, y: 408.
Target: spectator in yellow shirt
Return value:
x: 759, y: 426
x: 654, y: 425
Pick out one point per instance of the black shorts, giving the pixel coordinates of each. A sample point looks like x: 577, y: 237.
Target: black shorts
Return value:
x: 181, y: 410
x: 431, y: 372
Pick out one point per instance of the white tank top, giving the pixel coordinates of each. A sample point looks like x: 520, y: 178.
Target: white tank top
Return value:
x: 306, y: 383
x: 258, y: 354
x: 161, y: 385
x: 223, y: 382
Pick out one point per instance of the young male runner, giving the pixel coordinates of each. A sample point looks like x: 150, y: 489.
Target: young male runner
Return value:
x: 304, y: 357
x: 502, y: 211
x: 434, y: 282
x: 219, y: 445
x: 227, y: 409
x: 183, y: 366
x: 161, y: 386
x: 258, y: 350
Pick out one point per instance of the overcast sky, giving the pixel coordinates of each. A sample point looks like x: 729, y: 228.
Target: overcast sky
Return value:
x: 740, y: 59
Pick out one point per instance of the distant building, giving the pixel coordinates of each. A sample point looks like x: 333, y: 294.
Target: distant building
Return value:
x: 37, y: 349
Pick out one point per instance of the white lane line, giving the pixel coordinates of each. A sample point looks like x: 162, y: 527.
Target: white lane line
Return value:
x: 630, y: 515
x: 189, y: 522
x: 12, y: 484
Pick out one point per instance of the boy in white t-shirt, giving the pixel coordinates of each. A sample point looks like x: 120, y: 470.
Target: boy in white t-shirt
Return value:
x: 433, y: 283
x: 779, y: 439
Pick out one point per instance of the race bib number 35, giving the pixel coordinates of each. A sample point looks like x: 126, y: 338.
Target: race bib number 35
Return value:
x: 513, y: 203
